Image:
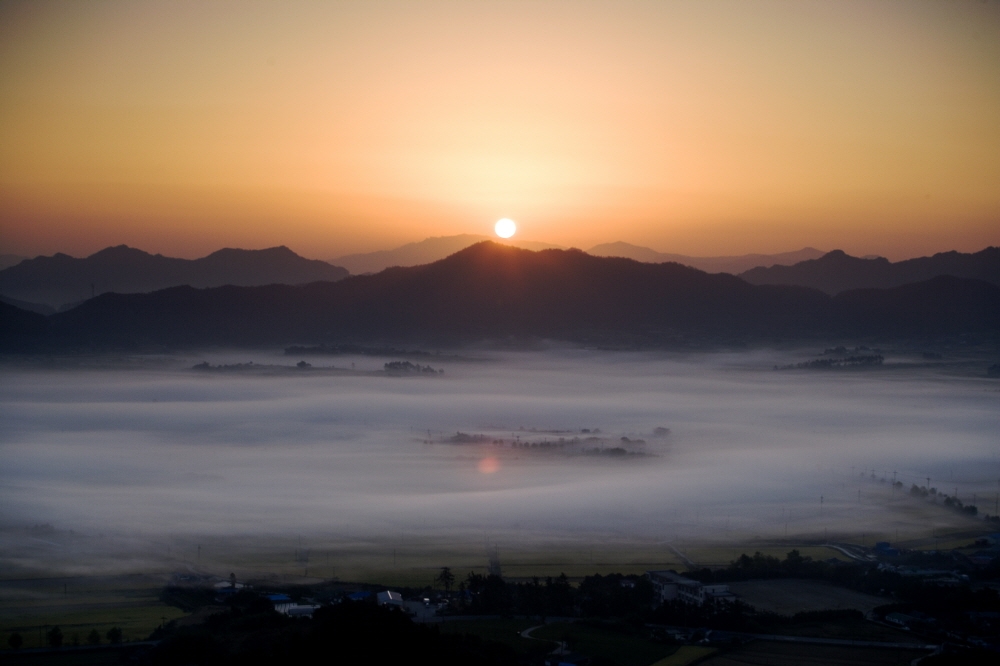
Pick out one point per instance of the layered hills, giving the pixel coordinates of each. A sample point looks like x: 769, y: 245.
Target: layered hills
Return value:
x: 423, y: 252
x: 836, y: 271
x: 491, y: 291
x: 60, y: 279
x: 439, y: 247
x: 725, y: 264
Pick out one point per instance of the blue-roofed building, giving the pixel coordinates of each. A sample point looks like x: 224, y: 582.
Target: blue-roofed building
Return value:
x: 359, y: 596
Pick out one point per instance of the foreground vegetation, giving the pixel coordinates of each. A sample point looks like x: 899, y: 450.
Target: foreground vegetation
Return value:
x: 612, y: 619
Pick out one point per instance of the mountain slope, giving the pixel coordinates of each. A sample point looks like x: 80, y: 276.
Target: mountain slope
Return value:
x: 423, y: 252
x: 836, y: 271
x: 726, y: 264
x: 63, y: 279
x: 490, y: 291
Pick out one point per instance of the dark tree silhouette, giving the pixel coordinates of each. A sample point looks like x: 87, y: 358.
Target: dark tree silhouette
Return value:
x: 15, y: 641
x: 446, y: 578
x: 54, y: 636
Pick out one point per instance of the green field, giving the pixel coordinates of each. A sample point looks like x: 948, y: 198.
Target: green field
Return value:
x: 625, y: 644
x: 502, y: 630
x: 686, y: 655
x: 80, y: 604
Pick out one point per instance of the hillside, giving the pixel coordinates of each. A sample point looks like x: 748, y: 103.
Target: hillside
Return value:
x: 61, y: 279
x: 836, y: 271
x: 490, y: 291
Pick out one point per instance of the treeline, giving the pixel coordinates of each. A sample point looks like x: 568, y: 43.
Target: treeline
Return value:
x: 249, y: 631
x: 614, y: 595
x: 860, y: 576
x: 405, y: 367
x: 867, y: 360
x: 950, y: 502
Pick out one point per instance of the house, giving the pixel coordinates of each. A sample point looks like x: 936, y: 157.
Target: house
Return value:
x: 670, y: 585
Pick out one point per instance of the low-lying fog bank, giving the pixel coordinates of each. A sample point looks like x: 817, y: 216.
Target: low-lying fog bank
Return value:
x: 509, y: 448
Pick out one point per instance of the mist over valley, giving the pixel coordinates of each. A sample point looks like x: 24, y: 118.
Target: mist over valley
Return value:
x: 541, y: 451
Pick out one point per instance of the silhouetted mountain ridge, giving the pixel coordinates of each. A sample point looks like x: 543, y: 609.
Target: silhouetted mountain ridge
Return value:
x: 838, y: 271
x: 490, y: 291
x: 725, y: 264
x: 61, y: 279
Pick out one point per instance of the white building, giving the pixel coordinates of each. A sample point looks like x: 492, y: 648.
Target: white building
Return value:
x: 670, y: 585
x: 388, y: 598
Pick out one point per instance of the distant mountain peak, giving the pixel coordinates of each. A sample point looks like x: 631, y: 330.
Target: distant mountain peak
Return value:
x: 838, y: 271
x: 279, y: 250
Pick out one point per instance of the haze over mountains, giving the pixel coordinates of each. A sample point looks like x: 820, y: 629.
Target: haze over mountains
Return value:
x: 726, y: 264
x: 60, y: 279
x: 490, y: 292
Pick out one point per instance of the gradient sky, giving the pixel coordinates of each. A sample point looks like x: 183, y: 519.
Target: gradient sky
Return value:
x: 695, y: 127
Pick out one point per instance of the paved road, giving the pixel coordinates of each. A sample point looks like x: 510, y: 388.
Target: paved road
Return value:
x: 560, y: 646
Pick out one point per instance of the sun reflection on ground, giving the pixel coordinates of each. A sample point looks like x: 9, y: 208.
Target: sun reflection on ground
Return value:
x: 489, y: 465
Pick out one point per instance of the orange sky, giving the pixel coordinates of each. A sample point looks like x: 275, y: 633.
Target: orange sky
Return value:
x: 694, y: 127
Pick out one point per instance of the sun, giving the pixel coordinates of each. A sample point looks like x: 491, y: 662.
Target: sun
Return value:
x: 505, y: 228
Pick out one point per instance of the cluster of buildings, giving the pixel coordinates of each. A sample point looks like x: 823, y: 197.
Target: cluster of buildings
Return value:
x: 669, y: 585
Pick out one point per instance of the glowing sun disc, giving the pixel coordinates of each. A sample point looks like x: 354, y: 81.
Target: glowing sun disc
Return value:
x: 505, y: 228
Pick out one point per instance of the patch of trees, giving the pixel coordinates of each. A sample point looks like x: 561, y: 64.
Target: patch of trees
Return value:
x: 250, y: 631
x: 614, y: 595
x: 407, y: 368
x: 950, y: 502
x: 863, y: 361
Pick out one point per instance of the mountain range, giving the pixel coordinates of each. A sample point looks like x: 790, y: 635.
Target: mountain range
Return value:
x: 60, y: 279
x: 836, y: 271
x: 424, y: 252
x: 733, y: 264
x: 439, y: 247
x: 491, y: 291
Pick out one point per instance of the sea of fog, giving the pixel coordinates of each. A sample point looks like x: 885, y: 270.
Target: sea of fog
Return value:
x: 716, y: 446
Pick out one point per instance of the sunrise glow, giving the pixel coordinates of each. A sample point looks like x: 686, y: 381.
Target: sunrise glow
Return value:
x: 335, y: 128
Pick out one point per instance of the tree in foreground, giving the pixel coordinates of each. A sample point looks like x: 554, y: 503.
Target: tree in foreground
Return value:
x: 54, y: 636
x: 15, y: 641
x: 114, y: 635
x: 93, y: 638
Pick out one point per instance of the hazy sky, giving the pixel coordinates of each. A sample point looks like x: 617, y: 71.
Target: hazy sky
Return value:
x: 702, y: 128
